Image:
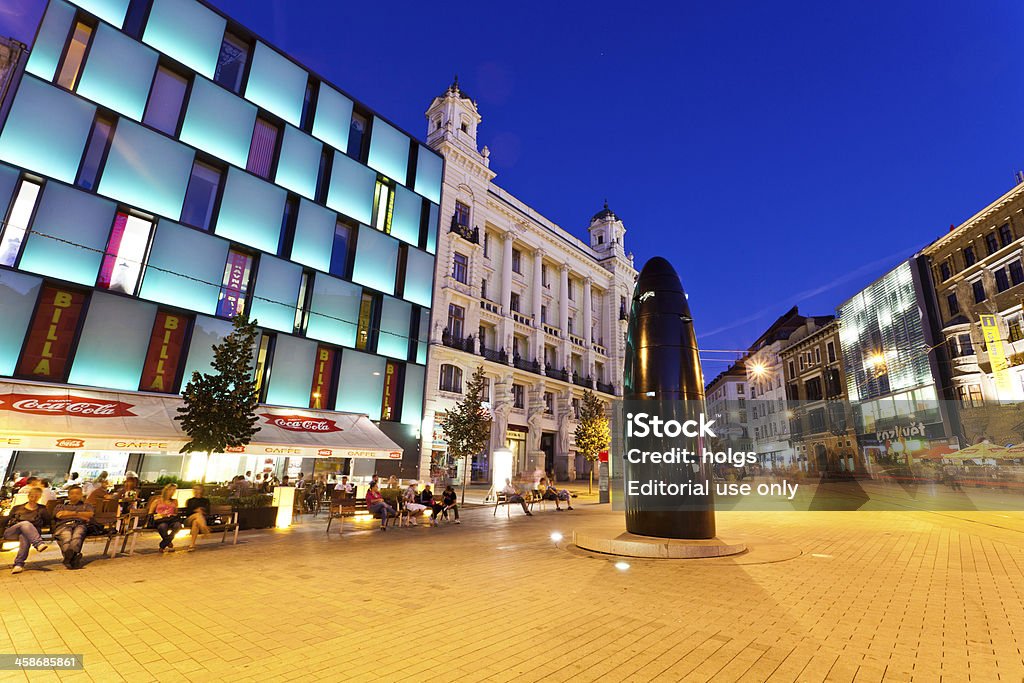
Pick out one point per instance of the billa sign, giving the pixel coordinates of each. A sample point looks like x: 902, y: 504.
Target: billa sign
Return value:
x: 326, y: 357
x: 160, y: 372
x: 75, y: 406
x: 389, y: 401
x: 50, y: 338
x: 302, y: 423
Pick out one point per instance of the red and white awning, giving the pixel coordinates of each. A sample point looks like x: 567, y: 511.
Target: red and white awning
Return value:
x: 42, y: 417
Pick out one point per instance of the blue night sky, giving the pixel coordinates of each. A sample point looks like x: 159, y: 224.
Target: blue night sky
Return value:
x: 777, y: 153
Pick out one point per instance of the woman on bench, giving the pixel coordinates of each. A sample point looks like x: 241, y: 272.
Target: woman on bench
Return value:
x: 164, y: 511
x: 23, y: 525
x: 198, y: 509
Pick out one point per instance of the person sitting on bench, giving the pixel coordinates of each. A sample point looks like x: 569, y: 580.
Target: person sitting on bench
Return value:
x: 23, y: 525
x: 450, y: 502
x: 426, y: 498
x: 164, y: 511
x: 377, y: 507
x: 412, y: 504
x: 512, y: 495
x: 72, y: 519
x: 197, y: 509
x: 549, y: 492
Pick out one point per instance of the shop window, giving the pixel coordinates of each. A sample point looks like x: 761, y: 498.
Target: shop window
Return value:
x: 357, y: 136
x: 456, y: 321
x: 460, y: 270
x: 125, y: 253
x: 383, y: 206
x: 95, y: 150
x: 263, y: 148
x: 364, y: 331
x: 163, y: 111
x: 518, y: 396
x: 201, y: 195
x: 235, y: 284
x: 969, y: 256
x: 234, y: 54
x: 451, y: 379
x: 13, y: 233
x: 341, y: 253
x: 71, y: 68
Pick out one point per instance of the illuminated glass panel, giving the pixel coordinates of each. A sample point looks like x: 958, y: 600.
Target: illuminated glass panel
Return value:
x: 389, y: 150
x: 18, y: 293
x: 419, y: 277
x: 376, y: 260
x: 218, y: 122
x: 251, y: 211
x: 291, y: 373
x: 314, y: 236
x: 110, y: 11
x: 112, y: 348
x: 351, y: 191
x: 393, y: 338
x: 333, y: 117
x: 276, y: 84
x: 46, y: 130
x: 187, y: 31
x: 147, y: 170
x: 405, y: 221
x: 423, y: 339
x: 432, y: 229
x: 361, y: 383
x: 68, y: 235
x: 299, y: 162
x: 8, y: 181
x: 185, y: 268
x: 412, y: 395
x: 53, y: 33
x: 428, y: 174
x: 118, y: 72
x: 206, y: 332
x: 276, y: 295
x: 334, y: 310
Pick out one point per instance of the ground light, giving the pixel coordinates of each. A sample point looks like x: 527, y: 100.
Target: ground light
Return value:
x: 622, y: 566
x: 556, y: 537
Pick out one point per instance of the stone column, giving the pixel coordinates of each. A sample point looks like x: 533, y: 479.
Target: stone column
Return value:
x: 506, y: 275
x: 563, y: 302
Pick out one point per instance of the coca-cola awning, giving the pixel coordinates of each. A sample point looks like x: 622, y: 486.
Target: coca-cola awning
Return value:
x: 42, y: 417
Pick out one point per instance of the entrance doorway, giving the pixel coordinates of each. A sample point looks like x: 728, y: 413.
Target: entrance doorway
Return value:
x: 515, y: 441
x: 547, y: 444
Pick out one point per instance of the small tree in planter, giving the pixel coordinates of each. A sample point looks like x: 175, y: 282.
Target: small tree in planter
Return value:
x: 593, y: 433
x: 220, y: 407
x: 467, y: 426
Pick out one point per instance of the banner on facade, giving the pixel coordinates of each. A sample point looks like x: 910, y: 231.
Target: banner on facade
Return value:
x: 996, y: 355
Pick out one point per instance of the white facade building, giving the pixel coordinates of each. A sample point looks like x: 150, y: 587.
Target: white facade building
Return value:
x: 725, y: 400
x: 542, y: 311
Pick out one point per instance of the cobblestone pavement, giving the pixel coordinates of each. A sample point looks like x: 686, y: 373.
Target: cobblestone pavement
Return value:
x: 872, y: 596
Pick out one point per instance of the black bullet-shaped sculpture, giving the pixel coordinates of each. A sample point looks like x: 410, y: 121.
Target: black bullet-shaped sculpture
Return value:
x: 662, y: 369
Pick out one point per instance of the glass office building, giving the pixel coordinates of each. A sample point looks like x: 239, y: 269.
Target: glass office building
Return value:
x: 162, y: 169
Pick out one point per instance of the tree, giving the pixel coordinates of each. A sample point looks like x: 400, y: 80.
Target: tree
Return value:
x: 593, y: 433
x: 220, y: 408
x: 467, y: 426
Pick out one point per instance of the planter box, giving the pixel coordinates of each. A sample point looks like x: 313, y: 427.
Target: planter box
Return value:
x: 257, y: 518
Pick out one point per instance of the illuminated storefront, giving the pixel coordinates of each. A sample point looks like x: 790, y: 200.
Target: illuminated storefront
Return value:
x: 161, y: 169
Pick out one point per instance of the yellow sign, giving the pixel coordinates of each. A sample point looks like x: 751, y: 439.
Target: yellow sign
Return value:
x: 996, y: 355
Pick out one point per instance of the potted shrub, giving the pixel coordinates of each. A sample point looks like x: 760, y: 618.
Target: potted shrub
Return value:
x: 254, y: 511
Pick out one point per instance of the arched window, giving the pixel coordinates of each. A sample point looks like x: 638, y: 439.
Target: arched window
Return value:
x: 451, y: 379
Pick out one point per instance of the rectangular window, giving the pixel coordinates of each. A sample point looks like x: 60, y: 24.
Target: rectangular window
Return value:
x: 383, y: 206
x: 125, y: 253
x: 357, y: 136
x: 1015, y: 330
x: 991, y: 243
x: 487, y: 244
x: 95, y: 150
x: 483, y: 289
x: 263, y: 148
x: 979, y: 291
x: 830, y: 350
x: 14, y: 230
x: 517, y: 261
x: 969, y: 256
x: 1016, y: 273
x: 514, y: 302
x: 201, y: 195
x: 570, y: 323
x: 456, y: 321
x: 966, y: 345
x: 235, y: 285
x: 234, y: 53
x: 543, y: 314
x: 165, y: 99
x: 572, y: 290
x: 549, y: 403
x: 1002, y: 280
x: 817, y: 354
x: 302, y: 309
x: 952, y: 304
x: 263, y: 361
x: 518, y: 396
x: 544, y: 276
x: 364, y: 332
x: 944, y: 271
x: 341, y: 253
x: 461, y: 214
x: 72, y: 66
x: 1005, y: 234
x: 460, y: 269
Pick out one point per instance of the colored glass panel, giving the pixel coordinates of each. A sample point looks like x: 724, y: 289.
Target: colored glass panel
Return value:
x: 113, y: 344
x: 218, y: 122
x: 185, y: 268
x: 389, y: 150
x: 276, y: 84
x: 147, y: 170
x: 187, y: 31
x: 118, y: 72
x: 351, y: 189
x: 251, y: 211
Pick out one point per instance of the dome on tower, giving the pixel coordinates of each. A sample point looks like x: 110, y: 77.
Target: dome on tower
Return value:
x: 604, y: 214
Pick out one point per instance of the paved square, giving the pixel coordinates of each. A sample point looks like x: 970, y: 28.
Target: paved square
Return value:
x: 873, y: 596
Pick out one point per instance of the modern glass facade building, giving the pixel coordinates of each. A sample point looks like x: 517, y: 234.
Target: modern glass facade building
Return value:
x: 162, y: 169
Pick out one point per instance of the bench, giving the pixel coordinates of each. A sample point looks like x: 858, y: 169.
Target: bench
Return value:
x: 105, y: 525
x: 137, y: 523
x: 341, y: 505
